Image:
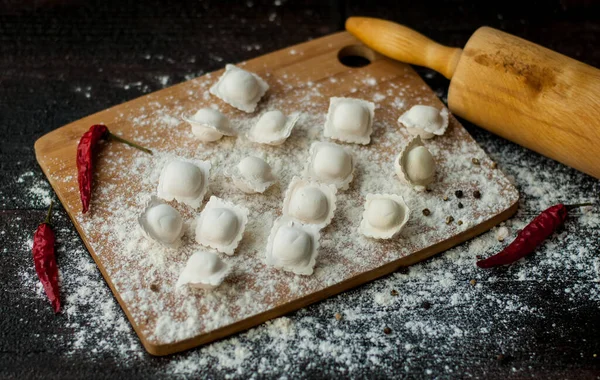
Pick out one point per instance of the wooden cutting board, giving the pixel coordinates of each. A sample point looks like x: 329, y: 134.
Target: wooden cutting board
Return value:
x: 302, y: 78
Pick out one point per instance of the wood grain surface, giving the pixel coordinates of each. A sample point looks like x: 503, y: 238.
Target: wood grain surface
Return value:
x: 289, y: 71
x: 519, y: 90
x: 404, y: 44
x: 531, y: 95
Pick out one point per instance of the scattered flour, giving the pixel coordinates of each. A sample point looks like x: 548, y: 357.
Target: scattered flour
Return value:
x: 145, y: 273
x: 502, y: 233
x: 163, y: 80
x: 287, y: 345
x: 38, y: 193
x: 356, y: 342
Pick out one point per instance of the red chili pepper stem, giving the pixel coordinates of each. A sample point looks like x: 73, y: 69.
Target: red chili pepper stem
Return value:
x: 47, y: 220
x: 571, y: 207
x: 132, y: 144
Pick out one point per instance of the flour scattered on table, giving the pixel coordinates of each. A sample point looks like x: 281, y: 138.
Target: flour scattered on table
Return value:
x: 429, y: 313
x: 429, y: 306
x: 145, y: 274
x: 163, y: 80
x: 38, y: 193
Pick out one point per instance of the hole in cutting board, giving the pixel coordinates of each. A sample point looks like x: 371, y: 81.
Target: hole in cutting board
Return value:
x: 356, y: 56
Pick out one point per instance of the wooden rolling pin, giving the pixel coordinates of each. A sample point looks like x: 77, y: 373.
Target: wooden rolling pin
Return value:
x: 528, y: 94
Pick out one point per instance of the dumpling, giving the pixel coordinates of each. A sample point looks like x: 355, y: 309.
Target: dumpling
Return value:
x: 239, y: 88
x: 203, y: 270
x: 162, y: 223
x: 415, y: 164
x: 310, y: 202
x: 293, y: 246
x: 209, y: 125
x: 384, y: 216
x: 252, y: 175
x: 350, y: 120
x: 331, y: 164
x: 273, y: 128
x: 425, y: 121
x: 221, y: 225
x: 184, y: 181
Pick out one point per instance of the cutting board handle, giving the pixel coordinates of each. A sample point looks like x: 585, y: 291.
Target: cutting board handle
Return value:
x: 404, y: 44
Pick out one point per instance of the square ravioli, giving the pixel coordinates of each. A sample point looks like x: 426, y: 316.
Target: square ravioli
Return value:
x: 350, y: 120
x: 240, y: 88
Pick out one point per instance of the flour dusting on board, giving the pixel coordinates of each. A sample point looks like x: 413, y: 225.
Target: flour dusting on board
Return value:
x: 145, y: 273
x: 430, y: 307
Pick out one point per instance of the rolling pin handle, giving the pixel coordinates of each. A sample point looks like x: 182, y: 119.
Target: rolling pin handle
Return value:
x: 404, y: 44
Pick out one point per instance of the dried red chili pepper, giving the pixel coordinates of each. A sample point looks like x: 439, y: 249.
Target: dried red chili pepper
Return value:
x: 45, y: 260
x: 85, y: 159
x: 531, y: 236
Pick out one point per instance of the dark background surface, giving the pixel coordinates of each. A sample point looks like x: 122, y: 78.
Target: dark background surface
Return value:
x: 60, y: 61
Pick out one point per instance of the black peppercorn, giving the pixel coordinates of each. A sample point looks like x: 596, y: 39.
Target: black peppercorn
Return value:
x: 458, y: 193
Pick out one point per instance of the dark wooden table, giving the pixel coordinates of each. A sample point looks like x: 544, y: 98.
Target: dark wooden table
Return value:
x: 62, y: 60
